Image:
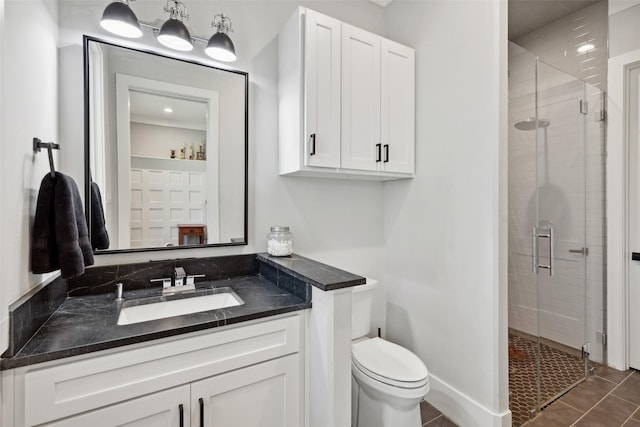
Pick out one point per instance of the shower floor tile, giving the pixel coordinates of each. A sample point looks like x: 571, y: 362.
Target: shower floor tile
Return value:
x: 559, y: 371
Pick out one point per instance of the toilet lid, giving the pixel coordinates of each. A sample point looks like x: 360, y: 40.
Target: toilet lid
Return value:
x: 389, y: 363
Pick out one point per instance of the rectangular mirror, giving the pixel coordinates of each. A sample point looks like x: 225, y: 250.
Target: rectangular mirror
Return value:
x: 166, y: 151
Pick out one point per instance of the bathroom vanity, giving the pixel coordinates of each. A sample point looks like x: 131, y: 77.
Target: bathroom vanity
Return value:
x: 250, y: 364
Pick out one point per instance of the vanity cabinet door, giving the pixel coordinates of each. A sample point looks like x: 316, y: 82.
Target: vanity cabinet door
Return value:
x: 397, y: 118
x: 361, y: 144
x: 169, y: 408
x: 322, y: 90
x: 268, y: 394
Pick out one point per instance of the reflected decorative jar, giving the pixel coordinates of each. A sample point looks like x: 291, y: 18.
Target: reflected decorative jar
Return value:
x: 280, y: 241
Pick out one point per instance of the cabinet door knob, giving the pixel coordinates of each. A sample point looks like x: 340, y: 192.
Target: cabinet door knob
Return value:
x: 386, y: 153
x: 201, y: 402
x: 378, y: 152
x: 181, y: 410
x: 312, y: 150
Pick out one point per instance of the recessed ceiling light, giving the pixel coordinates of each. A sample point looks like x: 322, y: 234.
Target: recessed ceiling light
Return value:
x: 168, y: 110
x: 585, y: 48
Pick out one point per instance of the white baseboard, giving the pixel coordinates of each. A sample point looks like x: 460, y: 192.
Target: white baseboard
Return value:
x: 461, y: 409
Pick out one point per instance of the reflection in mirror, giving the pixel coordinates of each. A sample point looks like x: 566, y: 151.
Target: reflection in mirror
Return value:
x: 167, y: 147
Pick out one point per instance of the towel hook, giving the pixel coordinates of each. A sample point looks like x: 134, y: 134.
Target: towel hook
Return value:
x: 50, y: 146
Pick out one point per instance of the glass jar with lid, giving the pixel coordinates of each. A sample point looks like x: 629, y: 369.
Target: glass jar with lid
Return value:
x: 280, y: 241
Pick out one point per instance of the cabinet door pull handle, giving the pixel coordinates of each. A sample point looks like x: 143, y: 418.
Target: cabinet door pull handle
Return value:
x: 378, y: 153
x: 181, y: 410
x: 312, y: 151
x: 386, y: 153
x: 201, y: 412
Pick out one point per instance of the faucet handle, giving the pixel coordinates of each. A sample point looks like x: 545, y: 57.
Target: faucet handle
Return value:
x: 119, y: 292
x: 166, y: 282
x: 191, y: 280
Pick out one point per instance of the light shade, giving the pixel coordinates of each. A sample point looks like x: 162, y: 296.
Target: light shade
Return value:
x: 220, y: 47
x: 174, y: 35
x: 119, y: 19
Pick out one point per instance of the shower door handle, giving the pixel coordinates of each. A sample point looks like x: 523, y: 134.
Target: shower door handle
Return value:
x: 542, y: 233
x: 583, y: 251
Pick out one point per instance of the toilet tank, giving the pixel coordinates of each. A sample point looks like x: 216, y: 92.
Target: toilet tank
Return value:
x: 361, y: 305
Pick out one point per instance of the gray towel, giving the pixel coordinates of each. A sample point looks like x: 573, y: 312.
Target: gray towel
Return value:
x: 60, y: 239
x: 99, y: 235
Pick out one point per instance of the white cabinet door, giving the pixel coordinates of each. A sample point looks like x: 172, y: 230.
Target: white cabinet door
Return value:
x: 268, y: 394
x: 169, y: 408
x: 361, y: 145
x: 322, y: 90
x: 397, y: 107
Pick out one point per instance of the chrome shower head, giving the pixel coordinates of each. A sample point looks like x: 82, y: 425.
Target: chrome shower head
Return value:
x: 531, y: 123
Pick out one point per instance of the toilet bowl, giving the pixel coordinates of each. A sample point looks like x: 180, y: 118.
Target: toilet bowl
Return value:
x: 387, y: 380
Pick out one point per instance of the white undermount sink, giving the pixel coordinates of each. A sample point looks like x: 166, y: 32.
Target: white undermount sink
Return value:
x: 154, y: 308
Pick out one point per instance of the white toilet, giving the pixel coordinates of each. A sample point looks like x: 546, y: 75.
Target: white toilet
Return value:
x: 387, y: 380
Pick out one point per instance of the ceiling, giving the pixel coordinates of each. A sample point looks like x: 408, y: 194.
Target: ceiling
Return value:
x: 528, y: 15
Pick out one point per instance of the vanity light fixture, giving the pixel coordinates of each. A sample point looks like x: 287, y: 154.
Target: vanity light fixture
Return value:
x: 173, y: 33
x: 220, y: 46
x: 118, y: 18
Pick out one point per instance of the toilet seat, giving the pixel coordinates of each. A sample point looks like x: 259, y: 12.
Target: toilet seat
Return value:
x: 389, y: 363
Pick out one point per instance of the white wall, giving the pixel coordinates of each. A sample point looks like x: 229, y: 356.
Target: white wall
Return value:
x: 28, y: 108
x: 158, y: 141
x: 445, y: 230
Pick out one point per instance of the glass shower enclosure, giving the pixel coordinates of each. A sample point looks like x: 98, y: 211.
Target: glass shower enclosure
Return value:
x: 556, y: 232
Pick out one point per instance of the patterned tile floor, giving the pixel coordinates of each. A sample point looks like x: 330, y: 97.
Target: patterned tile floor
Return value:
x: 558, y: 372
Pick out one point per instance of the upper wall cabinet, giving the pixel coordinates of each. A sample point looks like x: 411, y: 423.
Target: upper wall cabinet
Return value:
x: 347, y: 101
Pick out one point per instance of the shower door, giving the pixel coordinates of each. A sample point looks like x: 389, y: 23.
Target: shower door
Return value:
x: 559, y: 240
x: 551, y: 118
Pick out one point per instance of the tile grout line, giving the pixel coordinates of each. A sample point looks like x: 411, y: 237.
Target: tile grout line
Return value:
x: 625, y: 421
x: 433, y: 419
x: 603, y: 398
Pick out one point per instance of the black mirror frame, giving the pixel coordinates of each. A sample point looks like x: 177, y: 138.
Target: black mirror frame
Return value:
x: 87, y: 173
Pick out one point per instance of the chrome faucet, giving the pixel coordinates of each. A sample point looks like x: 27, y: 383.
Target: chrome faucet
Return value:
x: 180, y: 281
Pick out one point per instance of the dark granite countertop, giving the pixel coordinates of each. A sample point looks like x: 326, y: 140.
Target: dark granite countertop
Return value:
x: 320, y: 275
x: 49, y: 326
x: 84, y: 324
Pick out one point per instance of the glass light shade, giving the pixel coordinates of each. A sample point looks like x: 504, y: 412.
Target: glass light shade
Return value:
x: 119, y: 19
x: 174, y: 35
x: 220, y: 47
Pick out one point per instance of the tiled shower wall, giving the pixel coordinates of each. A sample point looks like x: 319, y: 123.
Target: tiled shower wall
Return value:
x: 562, y: 297
x: 568, y: 150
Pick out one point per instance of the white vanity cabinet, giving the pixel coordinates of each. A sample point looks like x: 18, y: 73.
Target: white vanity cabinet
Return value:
x: 167, y: 408
x: 234, y: 376
x: 267, y: 394
x: 346, y: 99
